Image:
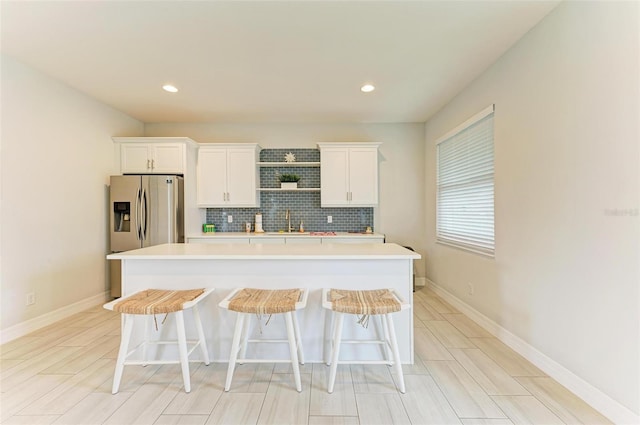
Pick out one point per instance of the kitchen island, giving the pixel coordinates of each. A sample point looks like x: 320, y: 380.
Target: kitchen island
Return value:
x: 225, y: 267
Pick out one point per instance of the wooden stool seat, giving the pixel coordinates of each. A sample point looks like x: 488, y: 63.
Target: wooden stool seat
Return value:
x: 264, y: 301
x: 378, y: 303
x: 156, y: 301
x: 250, y: 303
x: 149, y: 303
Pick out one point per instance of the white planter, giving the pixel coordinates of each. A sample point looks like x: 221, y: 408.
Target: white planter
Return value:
x: 284, y: 185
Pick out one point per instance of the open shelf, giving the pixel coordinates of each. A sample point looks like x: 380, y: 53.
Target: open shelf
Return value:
x: 300, y: 189
x: 288, y: 164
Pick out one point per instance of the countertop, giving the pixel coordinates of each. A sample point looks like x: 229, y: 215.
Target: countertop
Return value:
x: 196, y: 251
x: 282, y: 235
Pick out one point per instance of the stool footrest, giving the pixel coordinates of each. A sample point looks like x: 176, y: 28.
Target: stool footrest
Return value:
x: 241, y: 361
x: 194, y: 345
x: 143, y: 363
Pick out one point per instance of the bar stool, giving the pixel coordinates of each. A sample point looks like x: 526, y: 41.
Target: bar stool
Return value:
x: 256, y: 302
x: 149, y: 303
x: 379, y: 303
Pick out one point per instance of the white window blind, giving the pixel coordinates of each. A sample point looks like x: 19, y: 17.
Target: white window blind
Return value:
x: 465, y: 213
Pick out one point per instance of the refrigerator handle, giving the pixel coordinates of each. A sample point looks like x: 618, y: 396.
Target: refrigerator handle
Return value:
x: 170, y: 220
x: 138, y: 228
x: 144, y: 214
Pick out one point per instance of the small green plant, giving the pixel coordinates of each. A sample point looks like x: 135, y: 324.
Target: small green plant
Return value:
x: 289, y: 178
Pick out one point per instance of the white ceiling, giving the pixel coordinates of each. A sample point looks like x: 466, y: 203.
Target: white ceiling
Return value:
x: 266, y: 61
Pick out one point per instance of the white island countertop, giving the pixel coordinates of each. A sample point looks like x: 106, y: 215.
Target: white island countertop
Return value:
x: 196, y: 251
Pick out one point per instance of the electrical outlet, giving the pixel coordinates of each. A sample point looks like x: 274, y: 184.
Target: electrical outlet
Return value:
x: 471, y: 288
x: 31, y: 298
x: 229, y: 219
x: 329, y: 219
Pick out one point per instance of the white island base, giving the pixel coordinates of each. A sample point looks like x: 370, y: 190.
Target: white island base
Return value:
x: 226, y: 267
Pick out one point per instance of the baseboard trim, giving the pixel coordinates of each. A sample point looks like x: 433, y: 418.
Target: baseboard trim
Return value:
x: 31, y: 325
x: 600, y: 401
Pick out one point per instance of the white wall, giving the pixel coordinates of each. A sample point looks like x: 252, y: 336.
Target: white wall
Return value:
x: 402, y: 205
x: 566, y: 276
x: 57, y: 155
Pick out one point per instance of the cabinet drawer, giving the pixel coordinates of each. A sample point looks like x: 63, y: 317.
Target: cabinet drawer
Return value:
x: 267, y: 241
x: 220, y: 240
x: 303, y: 240
x: 351, y: 240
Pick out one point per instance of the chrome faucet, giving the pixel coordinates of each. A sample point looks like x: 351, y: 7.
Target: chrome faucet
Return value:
x: 287, y: 216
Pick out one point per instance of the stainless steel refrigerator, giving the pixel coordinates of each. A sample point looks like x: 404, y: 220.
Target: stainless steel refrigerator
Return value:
x: 144, y: 210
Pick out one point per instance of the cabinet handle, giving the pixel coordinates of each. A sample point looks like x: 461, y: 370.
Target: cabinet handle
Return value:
x: 228, y: 196
x: 148, y: 164
x: 153, y: 165
x: 224, y: 196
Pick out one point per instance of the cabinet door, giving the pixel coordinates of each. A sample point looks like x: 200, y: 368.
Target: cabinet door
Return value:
x: 363, y: 176
x: 334, y: 174
x: 241, y: 177
x: 211, y: 177
x: 135, y: 158
x: 168, y: 158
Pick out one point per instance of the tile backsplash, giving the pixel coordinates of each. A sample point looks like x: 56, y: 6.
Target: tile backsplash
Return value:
x: 303, y: 206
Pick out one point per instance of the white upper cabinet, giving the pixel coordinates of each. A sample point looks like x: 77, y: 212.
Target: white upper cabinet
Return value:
x: 227, y: 175
x: 151, y: 155
x: 349, y: 174
x: 212, y: 176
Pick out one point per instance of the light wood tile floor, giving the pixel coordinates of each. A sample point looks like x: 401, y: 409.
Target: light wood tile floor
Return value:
x: 62, y: 374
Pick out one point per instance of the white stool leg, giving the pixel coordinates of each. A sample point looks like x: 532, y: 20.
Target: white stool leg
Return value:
x: 335, y: 354
x: 383, y: 336
x: 296, y: 329
x: 202, y: 341
x: 396, y: 353
x: 387, y: 338
x: 328, y: 336
x: 234, y: 349
x: 122, y: 352
x: 293, y: 349
x: 332, y: 341
x: 182, y: 349
x: 147, y: 327
x: 245, y: 339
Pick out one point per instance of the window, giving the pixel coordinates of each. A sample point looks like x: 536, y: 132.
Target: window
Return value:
x: 465, y: 213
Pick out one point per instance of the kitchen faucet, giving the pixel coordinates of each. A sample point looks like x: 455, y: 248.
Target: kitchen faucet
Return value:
x: 287, y: 216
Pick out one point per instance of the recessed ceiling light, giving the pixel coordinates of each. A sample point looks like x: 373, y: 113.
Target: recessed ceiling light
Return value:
x: 170, y: 88
x: 367, y: 88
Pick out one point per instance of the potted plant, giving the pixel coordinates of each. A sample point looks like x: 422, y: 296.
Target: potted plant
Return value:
x: 289, y: 181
